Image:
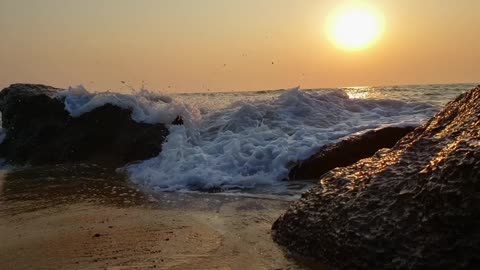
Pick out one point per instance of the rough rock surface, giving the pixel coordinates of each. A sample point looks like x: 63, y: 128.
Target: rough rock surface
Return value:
x: 347, y: 152
x: 415, y: 206
x: 40, y: 131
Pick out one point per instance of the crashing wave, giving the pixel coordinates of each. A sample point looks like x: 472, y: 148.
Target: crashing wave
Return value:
x: 147, y: 106
x: 250, y: 144
x: 228, y: 140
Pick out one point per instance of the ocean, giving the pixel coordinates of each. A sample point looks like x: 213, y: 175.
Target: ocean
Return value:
x: 245, y: 142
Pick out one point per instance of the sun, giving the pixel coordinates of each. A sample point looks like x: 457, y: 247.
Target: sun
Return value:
x: 355, y: 28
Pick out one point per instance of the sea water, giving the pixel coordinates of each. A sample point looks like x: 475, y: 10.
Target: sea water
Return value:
x: 241, y: 141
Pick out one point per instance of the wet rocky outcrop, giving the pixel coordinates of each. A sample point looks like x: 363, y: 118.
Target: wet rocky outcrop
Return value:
x: 347, y: 152
x: 415, y: 206
x: 39, y: 131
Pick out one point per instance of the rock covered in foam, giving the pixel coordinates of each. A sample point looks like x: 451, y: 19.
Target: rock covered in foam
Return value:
x: 415, y: 206
x: 347, y: 152
x: 40, y: 131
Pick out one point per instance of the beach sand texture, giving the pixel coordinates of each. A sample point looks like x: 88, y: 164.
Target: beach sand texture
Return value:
x: 100, y: 221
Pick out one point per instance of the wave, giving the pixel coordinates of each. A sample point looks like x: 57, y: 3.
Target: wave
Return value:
x: 147, y: 107
x: 252, y: 144
x: 245, y: 140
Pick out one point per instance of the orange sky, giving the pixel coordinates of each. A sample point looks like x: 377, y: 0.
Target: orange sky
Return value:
x: 222, y: 45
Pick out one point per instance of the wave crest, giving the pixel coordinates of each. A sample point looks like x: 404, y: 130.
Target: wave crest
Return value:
x: 250, y: 144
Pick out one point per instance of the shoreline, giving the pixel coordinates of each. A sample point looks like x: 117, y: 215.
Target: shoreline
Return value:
x: 107, y: 223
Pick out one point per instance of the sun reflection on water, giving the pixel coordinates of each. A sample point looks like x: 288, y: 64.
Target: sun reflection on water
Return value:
x: 360, y: 92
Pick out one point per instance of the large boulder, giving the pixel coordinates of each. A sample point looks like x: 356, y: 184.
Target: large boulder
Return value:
x: 347, y: 152
x: 40, y: 131
x: 415, y: 206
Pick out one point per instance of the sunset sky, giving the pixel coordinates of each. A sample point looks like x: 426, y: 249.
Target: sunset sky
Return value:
x: 222, y: 45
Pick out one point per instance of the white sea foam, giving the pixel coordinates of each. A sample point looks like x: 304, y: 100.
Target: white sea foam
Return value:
x: 146, y: 106
x: 247, y: 145
x: 249, y: 140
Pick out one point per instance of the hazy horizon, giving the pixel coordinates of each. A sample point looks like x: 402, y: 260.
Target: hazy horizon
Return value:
x: 214, y: 45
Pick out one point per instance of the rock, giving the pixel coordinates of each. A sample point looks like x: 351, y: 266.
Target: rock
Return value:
x: 347, y: 152
x: 178, y: 121
x: 39, y: 131
x: 415, y: 206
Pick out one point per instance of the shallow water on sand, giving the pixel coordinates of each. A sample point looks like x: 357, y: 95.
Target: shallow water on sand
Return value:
x: 78, y: 217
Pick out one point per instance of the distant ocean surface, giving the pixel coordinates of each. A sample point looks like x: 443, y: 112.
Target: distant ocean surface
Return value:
x: 241, y: 141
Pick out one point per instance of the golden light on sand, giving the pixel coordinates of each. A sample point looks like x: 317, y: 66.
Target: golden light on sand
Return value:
x: 355, y: 28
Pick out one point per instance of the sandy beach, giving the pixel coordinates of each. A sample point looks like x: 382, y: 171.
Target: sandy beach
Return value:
x: 239, y: 135
x: 84, y: 217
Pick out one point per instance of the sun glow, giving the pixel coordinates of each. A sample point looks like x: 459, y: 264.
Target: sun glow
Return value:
x: 355, y: 28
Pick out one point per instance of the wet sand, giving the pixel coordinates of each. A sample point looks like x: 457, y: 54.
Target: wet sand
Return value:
x: 85, y: 217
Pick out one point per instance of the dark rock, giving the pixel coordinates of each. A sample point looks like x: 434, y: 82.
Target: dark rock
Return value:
x: 347, y: 152
x: 178, y: 121
x: 415, y: 206
x: 39, y: 131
